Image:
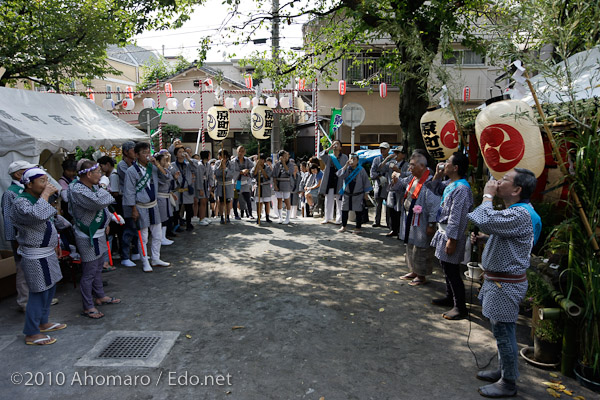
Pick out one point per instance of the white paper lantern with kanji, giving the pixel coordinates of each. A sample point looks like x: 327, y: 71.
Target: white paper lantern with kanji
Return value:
x: 272, y: 102
x: 342, y: 87
x: 245, y: 102
x: 261, y: 122
x: 230, y: 102
x: 149, y: 102
x: 382, y: 90
x: 509, y: 138
x: 440, y: 133
x: 108, y: 104
x: 128, y: 104
x: 169, y: 89
x: 172, y: 104
x: 255, y: 101
x: 217, y: 122
x: 285, y: 102
x: 189, y: 104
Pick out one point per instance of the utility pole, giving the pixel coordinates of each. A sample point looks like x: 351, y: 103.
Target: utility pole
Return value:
x: 276, y: 133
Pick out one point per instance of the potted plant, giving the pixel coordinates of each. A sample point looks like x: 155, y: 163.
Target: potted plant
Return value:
x: 547, y: 341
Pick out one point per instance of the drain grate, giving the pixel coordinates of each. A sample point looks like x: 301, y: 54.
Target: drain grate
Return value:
x: 128, y: 347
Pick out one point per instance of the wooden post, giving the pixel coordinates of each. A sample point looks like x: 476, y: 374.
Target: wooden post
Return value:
x: 561, y: 164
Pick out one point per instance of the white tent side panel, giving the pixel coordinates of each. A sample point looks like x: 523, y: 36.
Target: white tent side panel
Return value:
x: 31, y: 122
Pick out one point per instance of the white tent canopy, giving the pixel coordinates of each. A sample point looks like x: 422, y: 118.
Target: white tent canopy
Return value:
x: 32, y: 123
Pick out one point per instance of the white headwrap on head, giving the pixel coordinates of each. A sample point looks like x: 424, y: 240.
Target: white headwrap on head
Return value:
x: 31, y: 174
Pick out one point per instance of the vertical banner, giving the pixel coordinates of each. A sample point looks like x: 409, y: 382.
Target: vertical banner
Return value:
x: 335, y: 122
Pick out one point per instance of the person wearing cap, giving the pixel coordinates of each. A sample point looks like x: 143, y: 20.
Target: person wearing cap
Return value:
x: 331, y: 184
x: 128, y: 254
x: 140, y: 203
x: 89, y: 201
x: 34, y: 219
x: 379, y: 170
x: 355, y: 183
x: 418, y: 218
x: 15, y: 170
x: 397, y: 167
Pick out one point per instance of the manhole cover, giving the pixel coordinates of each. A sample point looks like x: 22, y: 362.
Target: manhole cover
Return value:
x: 130, y: 347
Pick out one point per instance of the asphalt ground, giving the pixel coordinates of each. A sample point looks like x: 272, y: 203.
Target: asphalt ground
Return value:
x: 268, y: 312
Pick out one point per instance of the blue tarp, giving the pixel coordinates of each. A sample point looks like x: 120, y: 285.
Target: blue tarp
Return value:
x: 367, y: 156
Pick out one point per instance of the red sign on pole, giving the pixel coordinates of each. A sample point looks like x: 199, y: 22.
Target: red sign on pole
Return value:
x: 466, y: 94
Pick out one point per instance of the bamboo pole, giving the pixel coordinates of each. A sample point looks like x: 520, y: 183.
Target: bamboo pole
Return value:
x: 561, y: 164
x: 459, y: 127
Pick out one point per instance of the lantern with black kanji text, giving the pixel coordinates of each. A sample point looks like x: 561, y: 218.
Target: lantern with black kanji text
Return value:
x: 261, y: 122
x: 509, y: 138
x: 440, y: 135
x: 218, y: 122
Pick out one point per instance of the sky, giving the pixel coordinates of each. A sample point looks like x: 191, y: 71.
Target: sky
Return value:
x: 206, y: 21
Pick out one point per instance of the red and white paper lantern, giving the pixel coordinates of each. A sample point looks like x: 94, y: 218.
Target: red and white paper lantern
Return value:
x: 301, y: 84
x: 129, y: 92
x: 509, y: 138
x: 169, y: 89
x: 128, y: 104
x: 466, y: 94
x: 208, y: 83
x: 90, y: 94
x: 382, y: 90
x: 244, y: 102
x: 342, y: 87
x: 440, y: 135
x: 248, y: 80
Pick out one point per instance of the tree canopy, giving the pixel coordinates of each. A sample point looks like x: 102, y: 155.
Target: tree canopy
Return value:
x: 50, y: 41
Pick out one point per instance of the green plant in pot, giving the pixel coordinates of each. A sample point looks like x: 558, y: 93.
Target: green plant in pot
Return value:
x: 547, y: 341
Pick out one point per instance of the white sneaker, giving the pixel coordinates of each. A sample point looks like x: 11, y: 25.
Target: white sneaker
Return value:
x: 166, y: 242
x: 127, y: 263
x: 204, y: 222
x: 147, y: 268
x: 136, y: 257
x: 159, y: 263
x: 287, y: 218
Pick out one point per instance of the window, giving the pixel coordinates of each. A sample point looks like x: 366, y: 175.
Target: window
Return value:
x: 119, y: 93
x: 366, y: 66
x: 108, y: 91
x: 465, y: 57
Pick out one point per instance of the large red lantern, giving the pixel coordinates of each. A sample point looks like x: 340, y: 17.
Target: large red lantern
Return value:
x: 382, y: 90
x: 440, y: 135
x: 169, y: 89
x: 509, y: 138
x: 342, y: 87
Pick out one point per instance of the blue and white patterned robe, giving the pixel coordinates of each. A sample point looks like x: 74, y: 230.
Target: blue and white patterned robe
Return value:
x: 8, y: 199
x: 34, y: 220
x: 84, y: 204
x: 454, y: 212
x: 508, y: 251
x: 148, y: 216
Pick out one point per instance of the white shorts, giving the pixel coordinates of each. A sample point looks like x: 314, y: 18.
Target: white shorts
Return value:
x: 265, y: 200
x: 283, y: 195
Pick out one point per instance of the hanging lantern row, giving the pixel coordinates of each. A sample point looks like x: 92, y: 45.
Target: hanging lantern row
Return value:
x: 128, y: 104
x: 246, y: 102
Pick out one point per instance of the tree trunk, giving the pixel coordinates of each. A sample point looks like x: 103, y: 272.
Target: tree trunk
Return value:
x: 413, y: 104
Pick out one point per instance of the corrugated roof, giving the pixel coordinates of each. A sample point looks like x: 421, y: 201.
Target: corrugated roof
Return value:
x: 131, y: 54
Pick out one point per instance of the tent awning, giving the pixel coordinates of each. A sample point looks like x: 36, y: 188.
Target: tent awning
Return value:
x: 31, y: 122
